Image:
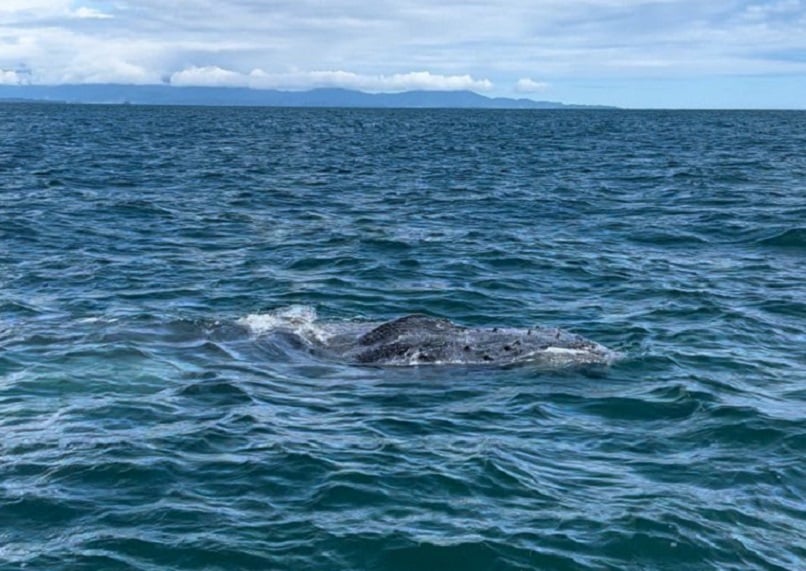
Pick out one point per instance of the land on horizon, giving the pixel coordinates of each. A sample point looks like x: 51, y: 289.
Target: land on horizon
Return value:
x: 242, y: 96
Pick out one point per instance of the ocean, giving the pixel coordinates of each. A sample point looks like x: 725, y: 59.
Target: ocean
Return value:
x: 152, y: 417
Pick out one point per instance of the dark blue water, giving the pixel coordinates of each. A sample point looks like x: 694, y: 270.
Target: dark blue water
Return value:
x: 150, y: 419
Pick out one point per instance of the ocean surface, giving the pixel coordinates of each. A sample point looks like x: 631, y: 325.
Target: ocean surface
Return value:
x: 152, y: 417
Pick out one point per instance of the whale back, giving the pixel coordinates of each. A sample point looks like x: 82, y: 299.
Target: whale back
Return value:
x: 415, y: 324
x: 418, y: 338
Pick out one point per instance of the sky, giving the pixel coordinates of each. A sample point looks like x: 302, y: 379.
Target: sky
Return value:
x: 628, y: 53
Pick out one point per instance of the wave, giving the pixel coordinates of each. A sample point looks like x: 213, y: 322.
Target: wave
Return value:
x: 791, y: 238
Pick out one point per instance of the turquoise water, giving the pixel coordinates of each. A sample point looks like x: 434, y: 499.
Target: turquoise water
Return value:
x: 151, y: 417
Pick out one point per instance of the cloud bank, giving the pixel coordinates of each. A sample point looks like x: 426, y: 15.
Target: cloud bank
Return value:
x: 259, y: 79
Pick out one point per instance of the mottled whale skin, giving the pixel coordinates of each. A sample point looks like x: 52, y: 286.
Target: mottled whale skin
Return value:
x: 420, y: 339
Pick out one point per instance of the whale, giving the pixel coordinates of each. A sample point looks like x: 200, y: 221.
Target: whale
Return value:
x: 419, y: 339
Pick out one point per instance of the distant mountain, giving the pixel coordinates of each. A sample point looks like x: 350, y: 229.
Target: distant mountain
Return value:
x: 240, y: 96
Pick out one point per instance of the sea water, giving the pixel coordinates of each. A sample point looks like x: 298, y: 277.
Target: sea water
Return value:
x: 150, y: 417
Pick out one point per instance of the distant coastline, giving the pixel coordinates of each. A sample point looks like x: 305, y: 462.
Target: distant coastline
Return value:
x: 235, y: 96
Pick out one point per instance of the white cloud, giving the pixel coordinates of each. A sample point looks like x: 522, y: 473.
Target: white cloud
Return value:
x: 90, y: 14
x: 55, y: 55
x: 8, y: 77
x: 259, y: 79
x: 208, y: 76
x: 43, y: 10
x: 526, y: 85
x: 107, y: 69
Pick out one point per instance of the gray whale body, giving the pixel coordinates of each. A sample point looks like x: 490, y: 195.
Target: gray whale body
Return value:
x: 421, y: 339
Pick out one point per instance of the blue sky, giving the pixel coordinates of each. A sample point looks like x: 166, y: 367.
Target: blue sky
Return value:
x: 630, y: 53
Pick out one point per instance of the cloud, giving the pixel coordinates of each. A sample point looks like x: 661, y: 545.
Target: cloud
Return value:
x: 259, y: 79
x: 9, y: 77
x: 41, y: 7
x: 526, y: 85
x: 90, y: 14
x: 208, y: 76
x: 773, y: 10
x: 56, y: 55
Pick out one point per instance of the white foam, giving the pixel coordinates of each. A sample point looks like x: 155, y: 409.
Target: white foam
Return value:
x: 299, y: 319
x: 565, y: 351
x: 97, y: 320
